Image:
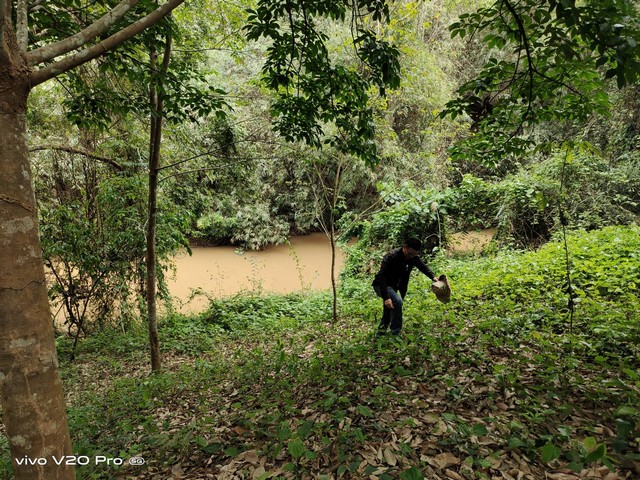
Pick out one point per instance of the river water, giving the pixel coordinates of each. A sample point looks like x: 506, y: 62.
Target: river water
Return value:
x: 304, y: 263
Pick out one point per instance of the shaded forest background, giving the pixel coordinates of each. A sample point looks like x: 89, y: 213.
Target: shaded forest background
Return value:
x: 227, y: 178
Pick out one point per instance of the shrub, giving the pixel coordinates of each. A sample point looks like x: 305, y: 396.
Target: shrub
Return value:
x: 590, y: 191
x: 95, y: 248
x: 474, y: 204
x: 407, y: 212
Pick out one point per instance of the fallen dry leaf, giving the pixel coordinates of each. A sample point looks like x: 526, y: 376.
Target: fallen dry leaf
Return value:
x: 446, y: 459
x: 258, y: 472
x: 453, y: 475
x: 390, y: 458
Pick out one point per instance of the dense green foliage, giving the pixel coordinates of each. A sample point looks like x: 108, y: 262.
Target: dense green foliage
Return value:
x: 495, y: 376
x: 94, y: 247
x: 526, y: 207
x: 548, y: 62
x: 229, y: 178
x: 239, y: 182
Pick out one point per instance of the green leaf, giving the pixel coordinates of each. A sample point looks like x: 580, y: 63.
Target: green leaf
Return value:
x: 516, y: 442
x: 231, y: 451
x: 597, y: 454
x: 626, y: 411
x: 305, y: 429
x: 449, y: 417
x: 412, y: 474
x: 479, y: 430
x: 550, y: 452
x: 284, y: 433
x: 576, y: 466
x: 296, y: 449
x: 212, y: 448
x: 590, y: 443
x: 365, y: 411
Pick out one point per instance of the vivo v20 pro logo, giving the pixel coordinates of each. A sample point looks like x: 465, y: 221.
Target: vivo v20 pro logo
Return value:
x: 79, y: 460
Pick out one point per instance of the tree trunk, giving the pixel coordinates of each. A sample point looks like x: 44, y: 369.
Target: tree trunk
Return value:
x: 30, y: 387
x: 154, y: 159
x: 155, y: 142
x: 152, y: 304
x: 334, y: 287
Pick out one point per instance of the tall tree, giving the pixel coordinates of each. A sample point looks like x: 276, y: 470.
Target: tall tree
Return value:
x: 31, y: 390
x: 166, y: 88
x: 156, y: 102
x: 327, y: 180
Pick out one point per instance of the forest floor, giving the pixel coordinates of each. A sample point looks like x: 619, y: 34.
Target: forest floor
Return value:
x: 500, y: 383
x: 328, y: 401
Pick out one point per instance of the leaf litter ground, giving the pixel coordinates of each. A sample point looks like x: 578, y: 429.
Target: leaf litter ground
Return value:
x: 316, y: 400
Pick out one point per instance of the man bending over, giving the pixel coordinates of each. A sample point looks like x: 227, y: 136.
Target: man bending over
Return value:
x: 392, y: 281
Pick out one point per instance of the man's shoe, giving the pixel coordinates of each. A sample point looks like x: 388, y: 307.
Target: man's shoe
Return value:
x: 380, y: 333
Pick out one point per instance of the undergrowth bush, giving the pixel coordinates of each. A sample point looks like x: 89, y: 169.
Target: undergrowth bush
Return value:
x: 591, y: 191
x: 248, y: 311
x: 529, y: 291
x: 407, y: 212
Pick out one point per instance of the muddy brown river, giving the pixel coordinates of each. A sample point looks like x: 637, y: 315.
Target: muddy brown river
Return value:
x: 304, y: 263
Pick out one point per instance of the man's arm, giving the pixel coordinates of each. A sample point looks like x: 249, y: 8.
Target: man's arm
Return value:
x: 380, y: 279
x: 385, y: 269
x: 424, y: 268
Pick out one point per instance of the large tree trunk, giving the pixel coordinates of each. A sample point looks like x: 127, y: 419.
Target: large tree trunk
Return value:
x: 30, y: 386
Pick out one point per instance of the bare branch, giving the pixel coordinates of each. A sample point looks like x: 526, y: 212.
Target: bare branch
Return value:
x: 78, y: 151
x: 34, y: 4
x: 104, y: 46
x: 97, y: 28
x: 22, y: 25
x: 4, y: 5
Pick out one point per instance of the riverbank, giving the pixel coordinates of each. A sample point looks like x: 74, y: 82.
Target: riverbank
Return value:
x: 303, y: 264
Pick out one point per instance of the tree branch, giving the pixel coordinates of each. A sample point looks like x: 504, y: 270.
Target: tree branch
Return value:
x: 22, y: 25
x: 34, y: 4
x: 524, y: 41
x: 78, y: 151
x: 104, y: 46
x: 49, y: 52
x: 4, y: 6
x: 239, y: 161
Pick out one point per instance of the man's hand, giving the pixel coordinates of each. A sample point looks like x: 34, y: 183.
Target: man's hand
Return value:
x: 388, y: 303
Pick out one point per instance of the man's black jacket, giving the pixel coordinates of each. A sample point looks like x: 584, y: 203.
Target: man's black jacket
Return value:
x: 395, y: 271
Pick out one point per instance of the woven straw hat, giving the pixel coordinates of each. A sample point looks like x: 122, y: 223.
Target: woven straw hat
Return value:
x: 442, y: 289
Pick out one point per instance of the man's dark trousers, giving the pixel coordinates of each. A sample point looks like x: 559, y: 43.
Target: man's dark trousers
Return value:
x: 391, y: 316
